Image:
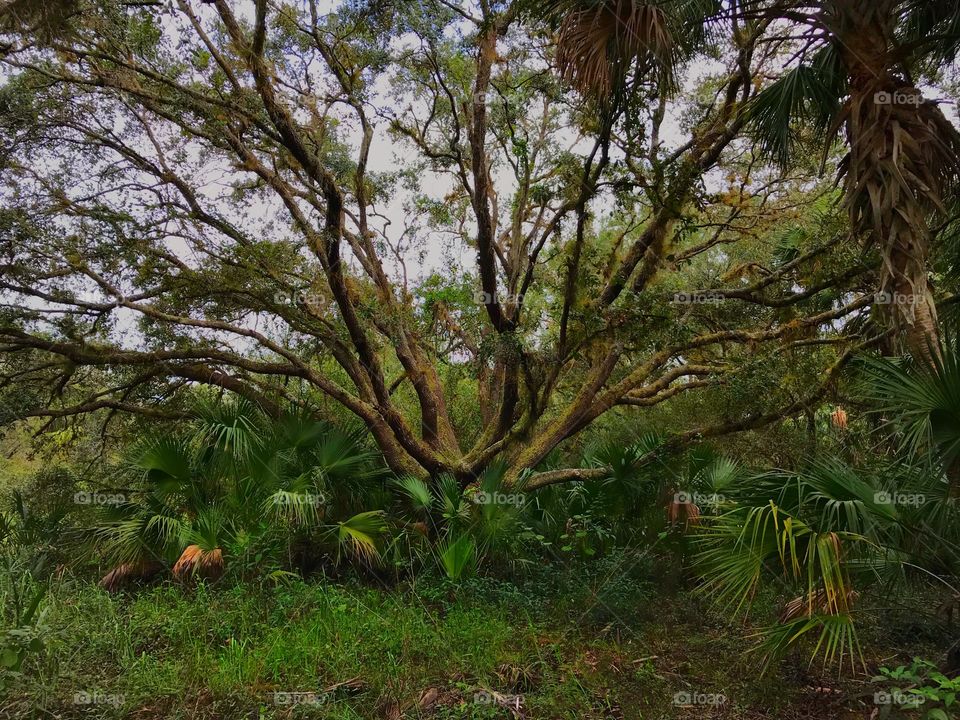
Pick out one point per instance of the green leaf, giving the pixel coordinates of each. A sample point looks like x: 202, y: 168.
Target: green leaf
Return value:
x: 9, y: 657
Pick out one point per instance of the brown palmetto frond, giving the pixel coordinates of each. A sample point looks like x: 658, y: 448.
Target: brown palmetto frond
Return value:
x: 839, y: 418
x: 820, y: 602
x: 195, y: 561
x: 130, y: 572
x: 597, y: 46
x: 683, y: 511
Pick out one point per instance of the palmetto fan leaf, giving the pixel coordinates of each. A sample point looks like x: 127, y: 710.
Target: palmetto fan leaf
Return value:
x: 210, y: 529
x: 417, y: 491
x: 734, y: 551
x: 623, y: 463
x: 359, y: 534
x: 808, y: 93
x: 496, y: 524
x: 618, y: 458
x: 932, y: 28
x: 455, y: 508
x: 458, y: 556
x: 341, y: 453
x: 297, y: 507
x: 923, y: 400
x: 826, y: 492
x: 597, y: 46
x: 297, y: 431
x: 837, y: 498
x: 739, y: 548
x: 599, y: 42
x: 167, y: 461
x: 232, y: 426
x: 835, y: 634
x: 143, y: 536
x: 720, y: 473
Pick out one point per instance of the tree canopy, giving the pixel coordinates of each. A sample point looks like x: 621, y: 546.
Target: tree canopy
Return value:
x: 417, y: 213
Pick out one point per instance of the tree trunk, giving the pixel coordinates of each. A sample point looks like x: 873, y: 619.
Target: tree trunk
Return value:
x: 899, y: 153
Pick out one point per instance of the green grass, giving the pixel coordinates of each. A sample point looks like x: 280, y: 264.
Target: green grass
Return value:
x: 222, y: 652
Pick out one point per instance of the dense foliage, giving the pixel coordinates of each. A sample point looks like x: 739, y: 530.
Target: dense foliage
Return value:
x: 482, y: 358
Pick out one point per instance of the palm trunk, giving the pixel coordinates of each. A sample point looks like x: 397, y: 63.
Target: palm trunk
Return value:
x: 900, y: 155
x: 903, y: 156
x: 915, y: 311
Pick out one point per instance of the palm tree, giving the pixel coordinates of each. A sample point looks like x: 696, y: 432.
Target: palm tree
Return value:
x: 601, y: 44
x: 858, y: 71
x: 855, y: 70
x: 830, y: 530
x: 922, y: 404
x: 469, y: 525
x: 237, y: 481
x: 820, y: 536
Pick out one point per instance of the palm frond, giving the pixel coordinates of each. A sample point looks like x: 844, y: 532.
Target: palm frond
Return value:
x: 809, y: 93
x: 302, y: 508
x: 600, y: 42
x: 458, y: 556
x: 231, y: 426
x: 341, y: 455
x: 196, y: 561
x: 455, y: 508
x: 837, y: 497
x: 931, y: 30
x: 417, y: 491
x: 142, y: 536
x: 167, y: 462
x: 721, y: 473
x: 923, y: 400
x: 739, y: 548
x: 597, y: 46
x: 836, y: 639
x: 359, y: 534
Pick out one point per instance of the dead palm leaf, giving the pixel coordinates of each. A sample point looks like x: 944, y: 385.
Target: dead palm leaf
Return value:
x: 127, y: 573
x: 683, y: 511
x: 197, y: 562
x: 597, y: 46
